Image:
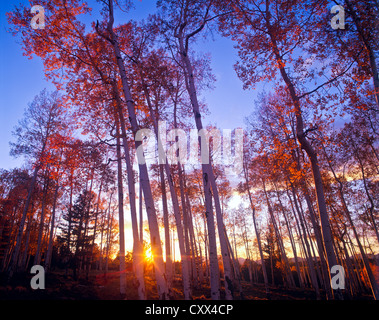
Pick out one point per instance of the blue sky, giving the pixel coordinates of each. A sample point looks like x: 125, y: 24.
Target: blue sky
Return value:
x: 21, y: 79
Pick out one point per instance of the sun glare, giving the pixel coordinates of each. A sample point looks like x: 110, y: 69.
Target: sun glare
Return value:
x: 148, y: 255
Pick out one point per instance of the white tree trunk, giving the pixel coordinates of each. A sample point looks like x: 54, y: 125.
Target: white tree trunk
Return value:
x: 175, y: 203
x: 121, y: 218
x: 51, y: 237
x: 16, y: 252
x: 155, y: 239
x: 208, y: 176
x: 312, y: 155
x: 137, y: 244
x: 37, y: 257
x: 166, y: 229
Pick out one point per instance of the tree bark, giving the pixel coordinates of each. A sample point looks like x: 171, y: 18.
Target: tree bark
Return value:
x: 312, y: 155
x: 13, y: 262
x: 257, y: 235
x: 288, y: 273
x: 183, y: 243
x: 369, y: 49
x: 37, y: 257
x: 166, y: 229
x: 121, y: 227
x: 312, y: 268
x: 140, y: 214
x: 24, y: 262
x: 293, y: 245
x: 156, y: 247
x: 372, y: 281
x: 137, y: 244
x: 51, y: 237
x: 208, y: 176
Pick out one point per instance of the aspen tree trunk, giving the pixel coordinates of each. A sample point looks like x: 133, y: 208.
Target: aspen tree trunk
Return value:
x: 166, y: 229
x: 51, y: 237
x: 308, y: 231
x: 206, y: 249
x: 350, y: 271
x: 95, y: 226
x: 370, y: 199
x: 7, y: 231
x: 109, y: 230
x: 37, y: 257
x: 83, y: 256
x: 121, y: 217
x: 208, y: 176
x: 250, y: 263
x: 144, y: 176
x: 236, y: 266
x: 25, y: 256
x: 304, y: 247
x: 372, y: 281
x: 312, y: 154
x: 234, y: 237
x: 185, y: 222
x: 307, y: 277
x: 293, y: 245
x: 186, y: 208
x: 247, y: 250
x: 271, y: 248
x: 354, y: 274
x: 200, y: 255
x: 181, y: 229
x: 140, y: 214
x: 318, y: 235
x: 212, y: 269
x: 307, y: 249
x: 193, y: 250
x: 257, y: 235
x: 102, y: 223
x: 193, y: 238
x: 301, y: 247
x: 13, y: 262
x: 369, y: 49
x: 69, y: 223
x: 77, y: 247
x: 321, y: 203
x: 288, y: 273
x: 349, y: 282
x: 214, y: 273
x: 137, y: 244
x: 173, y: 255
x: 303, y: 185
x: 228, y: 271
x: 356, y: 263
x: 201, y: 266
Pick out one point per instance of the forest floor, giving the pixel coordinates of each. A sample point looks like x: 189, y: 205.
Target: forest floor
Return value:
x: 58, y: 286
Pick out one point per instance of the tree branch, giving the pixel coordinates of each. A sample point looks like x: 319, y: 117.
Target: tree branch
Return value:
x: 331, y: 80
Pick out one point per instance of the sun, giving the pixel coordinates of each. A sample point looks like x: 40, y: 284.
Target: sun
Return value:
x: 148, y: 255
